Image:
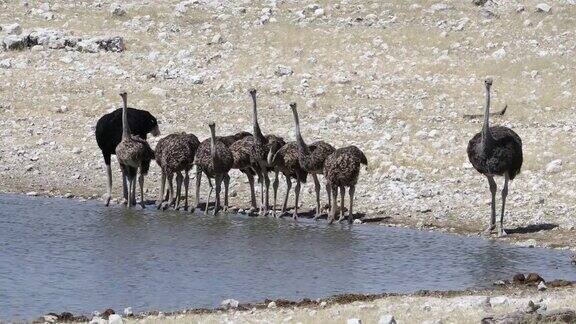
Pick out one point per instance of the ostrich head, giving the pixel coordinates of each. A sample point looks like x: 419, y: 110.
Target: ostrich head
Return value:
x: 124, y: 94
x: 293, y: 106
x: 488, y: 82
x: 252, y: 91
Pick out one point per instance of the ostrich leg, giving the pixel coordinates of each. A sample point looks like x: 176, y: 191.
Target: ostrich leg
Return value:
x: 501, y: 231
x: 288, y: 187
x: 342, y: 194
x: 209, y: 194
x: 170, y: 190
x: 275, y: 187
x: 124, y: 184
x: 109, y: 174
x: 328, y: 190
x: 162, y: 190
x: 218, y: 181
x: 141, y: 183
x: 267, y: 194
x: 297, y: 194
x: 179, y: 180
x: 317, y: 188
x: 351, y: 211
x: 133, y: 200
x: 334, y: 203
x: 493, y: 188
x: 252, y: 193
x: 226, y: 186
x: 198, y: 181
x: 186, y: 185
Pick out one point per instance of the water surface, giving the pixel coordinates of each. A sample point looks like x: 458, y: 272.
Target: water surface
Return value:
x: 64, y: 255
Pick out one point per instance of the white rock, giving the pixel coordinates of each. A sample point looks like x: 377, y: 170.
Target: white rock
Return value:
x: 32, y: 193
x: 115, y: 319
x: 13, y: 29
x: 128, y: 311
x: 217, y: 39
x: 499, y: 54
x: 554, y: 166
x: 159, y: 92
x: 272, y: 305
x: 357, y: 221
x: 542, y: 286
x: 50, y: 318
x: 6, y: 63
x: 117, y: 9
x: 497, y: 301
x: 323, y: 304
x: 15, y: 42
x: 283, y: 70
x: 353, y: 321
x: 387, y: 319
x: 319, y: 12
x: 543, y: 7
x: 97, y: 320
x: 230, y: 303
x: 440, y: 7
x: 76, y: 150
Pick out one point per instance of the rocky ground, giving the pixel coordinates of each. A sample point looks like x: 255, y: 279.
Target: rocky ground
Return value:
x: 393, y: 78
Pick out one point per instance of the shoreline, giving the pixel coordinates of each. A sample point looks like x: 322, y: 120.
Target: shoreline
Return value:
x: 381, y: 220
x: 484, y: 299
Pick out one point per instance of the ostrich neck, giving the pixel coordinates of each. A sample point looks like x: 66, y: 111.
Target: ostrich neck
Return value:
x: 213, y: 145
x: 302, y: 147
x: 125, y: 126
x: 486, y: 135
x: 257, y: 132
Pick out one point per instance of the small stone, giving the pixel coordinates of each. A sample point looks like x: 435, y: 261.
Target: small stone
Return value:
x: 15, y: 42
x: 50, y: 318
x: 32, y: 193
x: 519, y: 278
x: 479, y: 2
x: 217, y: 39
x: 115, y: 319
x: 6, y: 63
x: 543, y: 7
x: 76, y: 150
x: 68, y: 195
x: 353, y: 321
x: 387, y: 319
x: 357, y: 221
x: 534, y: 278
x: 554, y: 166
x: 542, y: 286
x: 117, y: 10
x: 319, y: 12
x: 323, y: 304
x: 272, y: 305
x: 230, y: 303
x: 497, y: 301
x: 440, y: 7
x: 128, y: 311
x: 499, y: 54
x: 283, y: 70
x: 12, y: 29
x: 159, y: 92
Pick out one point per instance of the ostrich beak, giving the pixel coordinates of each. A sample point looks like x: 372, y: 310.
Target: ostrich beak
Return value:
x: 156, y: 131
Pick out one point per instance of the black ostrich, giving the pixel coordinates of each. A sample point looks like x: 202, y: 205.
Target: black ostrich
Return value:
x: 109, y: 135
x: 495, y: 151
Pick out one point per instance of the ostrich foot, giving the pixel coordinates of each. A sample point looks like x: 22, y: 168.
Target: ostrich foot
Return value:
x: 489, y: 230
x: 107, y: 200
x: 124, y: 201
x: 295, y: 216
x: 502, y: 232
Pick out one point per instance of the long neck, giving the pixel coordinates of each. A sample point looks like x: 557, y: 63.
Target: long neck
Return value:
x: 299, y: 140
x: 125, y: 126
x: 213, y: 144
x: 486, y: 136
x: 257, y: 132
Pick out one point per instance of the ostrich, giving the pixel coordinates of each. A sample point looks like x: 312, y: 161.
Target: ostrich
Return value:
x: 259, y: 155
x: 109, y: 134
x: 133, y: 153
x: 341, y: 170
x: 241, y: 156
x: 214, y: 158
x: 312, y: 158
x: 285, y: 160
x: 495, y: 151
x: 174, y: 154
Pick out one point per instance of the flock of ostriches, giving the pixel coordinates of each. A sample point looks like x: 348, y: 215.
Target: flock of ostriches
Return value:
x: 495, y: 151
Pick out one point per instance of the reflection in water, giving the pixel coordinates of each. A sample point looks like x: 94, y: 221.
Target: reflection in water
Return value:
x: 63, y: 255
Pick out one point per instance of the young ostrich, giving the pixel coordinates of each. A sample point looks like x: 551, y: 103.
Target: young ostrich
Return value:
x: 133, y: 154
x: 312, y: 158
x: 241, y: 155
x: 214, y: 158
x: 109, y: 134
x: 174, y: 154
x: 285, y: 160
x: 495, y: 151
x: 259, y: 156
x: 341, y: 170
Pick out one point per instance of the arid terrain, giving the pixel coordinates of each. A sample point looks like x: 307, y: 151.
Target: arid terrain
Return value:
x: 392, y: 77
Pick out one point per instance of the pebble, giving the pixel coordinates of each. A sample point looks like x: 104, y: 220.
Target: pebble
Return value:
x: 554, y: 166
x: 542, y: 286
x: 230, y: 303
x: 543, y: 7
x: 499, y: 54
x: 76, y: 150
x: 497, y: 301
x: 50, y: 318
x: 117, y: 10
x: 32, y: 193
x: 387, y: 319
x: 127, y: 310
x: 353, y: 321
x: 115, y: 319
x: 12, y: 29
x: 283, y: 70
x: 6, y: 63
x: 272, y: 305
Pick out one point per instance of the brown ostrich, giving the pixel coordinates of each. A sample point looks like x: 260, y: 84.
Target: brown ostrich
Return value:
x: 495, y: 151
x: 214, y: 159
x: 261, y: 148
x: 312, y: 158
x: 341, y: 170
x: 241, y: 155
x: 133, y: 154
x: 285, y: 160
x: 175, y: 154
